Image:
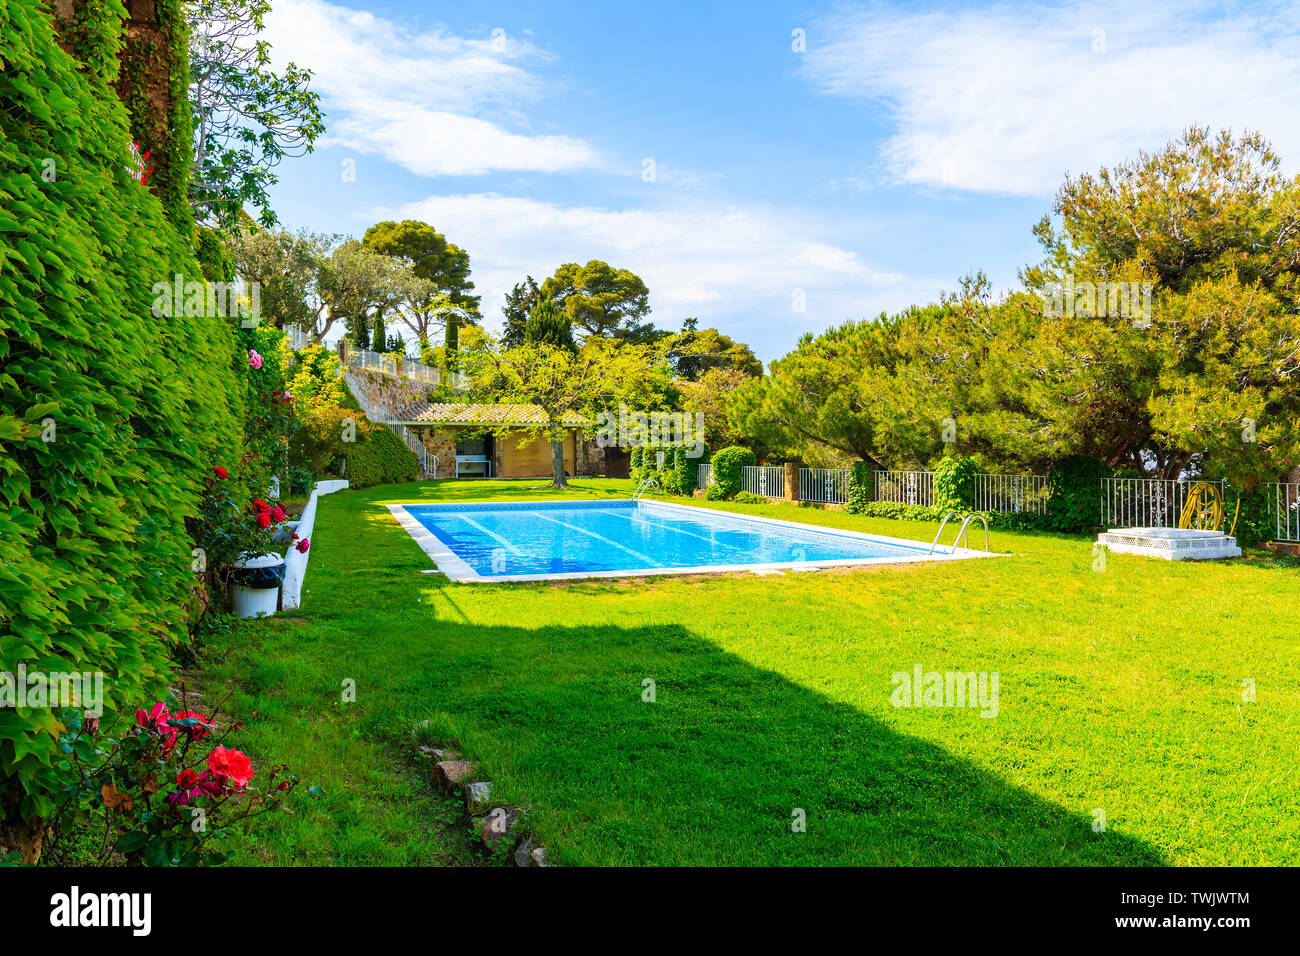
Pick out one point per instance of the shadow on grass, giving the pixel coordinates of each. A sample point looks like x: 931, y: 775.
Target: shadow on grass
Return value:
x: 716, y: 768
x: 712, y: 772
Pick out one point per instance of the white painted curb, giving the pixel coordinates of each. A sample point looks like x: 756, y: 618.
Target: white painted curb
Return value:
x: 295, y: 561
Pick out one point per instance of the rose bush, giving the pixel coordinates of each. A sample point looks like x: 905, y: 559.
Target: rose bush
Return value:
x: 159, y: 794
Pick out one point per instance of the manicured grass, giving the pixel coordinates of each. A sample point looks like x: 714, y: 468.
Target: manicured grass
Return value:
x: 1120, y: 691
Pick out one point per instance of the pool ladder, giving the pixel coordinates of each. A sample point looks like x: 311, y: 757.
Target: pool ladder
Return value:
x: 641, y: 488
x: 962, y: 533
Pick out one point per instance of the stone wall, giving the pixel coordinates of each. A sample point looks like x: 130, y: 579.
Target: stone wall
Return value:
x: 441, y: 442
x: 388, y: 391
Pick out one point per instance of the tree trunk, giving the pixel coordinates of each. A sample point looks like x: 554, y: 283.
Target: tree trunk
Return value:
x: 18, y: 836
x: 557, y: 457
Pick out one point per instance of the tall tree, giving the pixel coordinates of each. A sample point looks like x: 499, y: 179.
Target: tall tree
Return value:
x: 519, y: 304
x: 247, y: 117
x: 565, y: 382
x: 547, y: 325
x: 287, y: 268
x: 445, y: 296
x: 601, y: 300
x: 695, y: 350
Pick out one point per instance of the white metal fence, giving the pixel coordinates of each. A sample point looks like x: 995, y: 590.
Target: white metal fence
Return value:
x: 765, y: 480
x: 704, y: 475
x: 904, y: 487
x: 384, y: 362
x: 1145, y: 502
x: 1011, y: 494
x: 824, y: 485
x: 389, y: 364
x: 1284, y: 509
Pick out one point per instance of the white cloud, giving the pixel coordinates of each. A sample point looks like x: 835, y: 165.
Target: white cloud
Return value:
x: 737, y: 268
x: 1009, y: 98
x: 433, y: 102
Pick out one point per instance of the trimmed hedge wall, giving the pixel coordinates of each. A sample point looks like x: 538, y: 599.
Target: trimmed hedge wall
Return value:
x: 379, y: 458
x: 109, y: 416
x: 727, y: 470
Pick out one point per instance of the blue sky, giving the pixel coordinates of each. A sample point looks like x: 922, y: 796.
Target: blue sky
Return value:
x: 903, y: 147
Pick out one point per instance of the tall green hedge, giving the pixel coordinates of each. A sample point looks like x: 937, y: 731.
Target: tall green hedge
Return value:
x: 954, y: 483
x: 728, y: 465
x: 109, y: 417
x: 380, y: 458
x: 1074, y: 493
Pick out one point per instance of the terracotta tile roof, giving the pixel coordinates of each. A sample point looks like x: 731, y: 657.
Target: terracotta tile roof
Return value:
x: 432, y: 413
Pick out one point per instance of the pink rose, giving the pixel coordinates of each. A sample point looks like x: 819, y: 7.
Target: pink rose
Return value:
x: 254, y: 359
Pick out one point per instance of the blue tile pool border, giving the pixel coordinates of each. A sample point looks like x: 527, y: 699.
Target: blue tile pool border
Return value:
x: 455, y: 568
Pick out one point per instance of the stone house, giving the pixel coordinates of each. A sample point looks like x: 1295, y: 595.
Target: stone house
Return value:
x: 498, y: 441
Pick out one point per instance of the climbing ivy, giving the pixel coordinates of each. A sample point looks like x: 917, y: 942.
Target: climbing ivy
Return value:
x: 110, y: 415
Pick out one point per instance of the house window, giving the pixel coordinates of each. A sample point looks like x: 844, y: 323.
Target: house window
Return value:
x: 474, y: 446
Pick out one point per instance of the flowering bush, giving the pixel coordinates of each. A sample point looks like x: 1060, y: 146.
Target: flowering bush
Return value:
x: 163, y: 791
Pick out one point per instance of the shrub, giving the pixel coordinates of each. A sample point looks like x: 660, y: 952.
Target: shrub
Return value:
x: 379, y: 458
x: 1250, y: 510
x: 748, y: 498
x: 727, y: 465
x: 150, y: 783
x: 688, y: 472
x: 1025, y: 521
x: 954, y: 483
x: 1074, y: 493
x: 714, y: 493
x: 861, y: 492
x: 636, y: 460
x: 110, y: 416
x: 300, y: 482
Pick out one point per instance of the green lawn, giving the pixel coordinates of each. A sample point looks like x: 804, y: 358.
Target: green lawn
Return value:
x: 1119, y: 691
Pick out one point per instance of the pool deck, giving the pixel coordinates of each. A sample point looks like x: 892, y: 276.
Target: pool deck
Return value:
x: 450, y: 564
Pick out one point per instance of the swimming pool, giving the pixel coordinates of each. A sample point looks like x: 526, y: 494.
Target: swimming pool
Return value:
x: 540, y: 541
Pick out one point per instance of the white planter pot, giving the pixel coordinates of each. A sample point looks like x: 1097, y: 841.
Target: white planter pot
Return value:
x: 254, y: 602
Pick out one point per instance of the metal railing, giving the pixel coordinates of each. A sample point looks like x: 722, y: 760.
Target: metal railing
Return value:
x: 1145, y: 502
x: 904, y: 487
x: 704, y: 475
x: 765, y: 480
x: 1011, y: 494
x: 1284, y: 509
x: 389, y: 364
x: 824, y: 485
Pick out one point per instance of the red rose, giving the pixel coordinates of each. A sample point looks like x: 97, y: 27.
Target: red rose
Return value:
x: 277, y: 513
x: 186, y: 779
x: 303, y: 545
x: 264, y: 519
x: 220, y: 472
x: 232, y: 767
x: 261, y: 505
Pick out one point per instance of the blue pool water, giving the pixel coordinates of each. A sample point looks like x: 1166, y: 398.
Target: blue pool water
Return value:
x: 508, y: 540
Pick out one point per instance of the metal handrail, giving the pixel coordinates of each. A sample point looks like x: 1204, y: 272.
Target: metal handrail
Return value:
x: 962, y: 532
x: 943, y: 524
x: 645, y: 483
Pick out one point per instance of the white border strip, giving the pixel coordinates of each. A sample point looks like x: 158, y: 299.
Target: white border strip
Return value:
x: 455, y: 568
